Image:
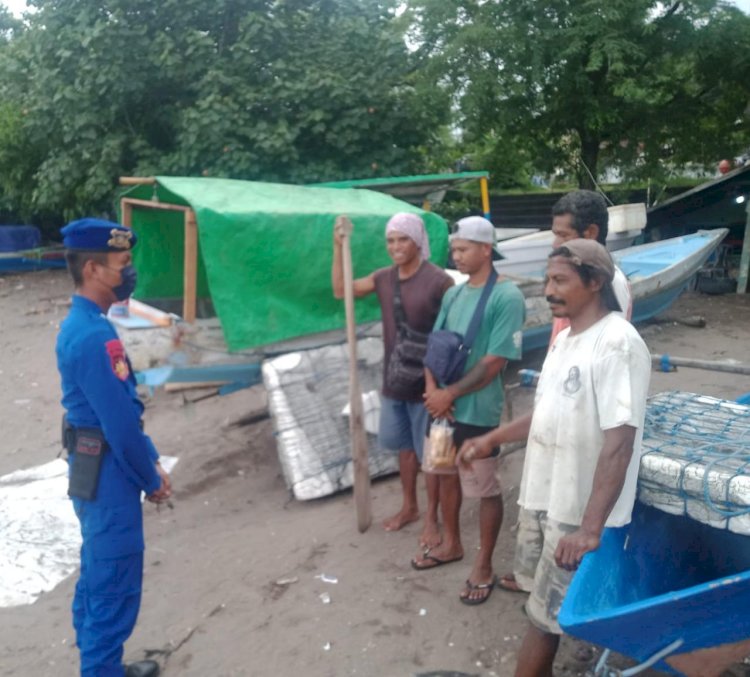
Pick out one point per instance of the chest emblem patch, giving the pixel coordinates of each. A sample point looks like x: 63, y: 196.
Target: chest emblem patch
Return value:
x: 116, y: 353
x: 572, y: 384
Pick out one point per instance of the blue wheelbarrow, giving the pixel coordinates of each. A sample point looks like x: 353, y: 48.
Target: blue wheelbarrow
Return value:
x: 667, y: 591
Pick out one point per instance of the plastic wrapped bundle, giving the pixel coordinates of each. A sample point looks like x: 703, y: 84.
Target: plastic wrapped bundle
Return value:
x: 307, y: 393
x: 696, y: 459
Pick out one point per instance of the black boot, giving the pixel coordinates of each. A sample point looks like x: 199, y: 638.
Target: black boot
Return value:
x: 142, y: 669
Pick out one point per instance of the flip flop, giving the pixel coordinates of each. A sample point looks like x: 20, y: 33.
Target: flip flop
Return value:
x: 489, y: 587
x: 436, y: 562
x: 510, y: 584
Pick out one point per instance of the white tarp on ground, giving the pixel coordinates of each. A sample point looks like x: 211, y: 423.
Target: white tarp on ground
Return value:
x: 40, y: 538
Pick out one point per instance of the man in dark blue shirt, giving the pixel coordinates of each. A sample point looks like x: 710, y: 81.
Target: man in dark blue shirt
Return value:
x: 111, y: 459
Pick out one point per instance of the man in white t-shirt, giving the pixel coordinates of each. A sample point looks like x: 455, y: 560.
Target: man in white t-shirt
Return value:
x: 578, y: 214
x: 583, y: 438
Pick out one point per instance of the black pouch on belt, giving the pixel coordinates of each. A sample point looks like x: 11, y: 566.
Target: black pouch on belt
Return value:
x: 87, y: 449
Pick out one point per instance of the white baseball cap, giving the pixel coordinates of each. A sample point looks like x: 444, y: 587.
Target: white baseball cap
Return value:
x: 474, y: 228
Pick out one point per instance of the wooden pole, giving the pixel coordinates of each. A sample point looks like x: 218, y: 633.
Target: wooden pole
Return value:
x: 137, y: 180
x: 485, y: 197
x: 745, y: 257
x: 127, y: 213
x: 190, y: 262
x: 362, y: 498
x: 664, y: 362
x: 190, y: 283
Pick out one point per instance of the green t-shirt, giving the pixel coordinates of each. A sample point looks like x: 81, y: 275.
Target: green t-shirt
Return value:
x: 499, y: 334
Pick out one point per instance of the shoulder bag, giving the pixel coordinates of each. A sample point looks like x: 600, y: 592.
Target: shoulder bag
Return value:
x: 405, y: 372
x: 448, y: 351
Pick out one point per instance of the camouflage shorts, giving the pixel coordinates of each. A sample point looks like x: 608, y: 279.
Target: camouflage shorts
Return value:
x: 535, y: 569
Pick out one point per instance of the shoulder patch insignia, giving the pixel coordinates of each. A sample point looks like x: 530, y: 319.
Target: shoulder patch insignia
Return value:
x: 116, y: 352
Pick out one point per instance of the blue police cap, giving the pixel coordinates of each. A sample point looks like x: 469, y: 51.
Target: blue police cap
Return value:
x: 98, y: 235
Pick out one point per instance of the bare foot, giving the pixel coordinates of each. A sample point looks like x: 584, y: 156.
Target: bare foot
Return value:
x: 400, y: 519
x: 509, y: 582
x: 430, y: 537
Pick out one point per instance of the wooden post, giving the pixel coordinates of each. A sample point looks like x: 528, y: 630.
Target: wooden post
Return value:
x: 745, y: 258
x: 190, y: 284
x: 485, y: 197
x: 137, y: 180
x: 190, y: 263
x: 362, y: 498
x: 127, y: 213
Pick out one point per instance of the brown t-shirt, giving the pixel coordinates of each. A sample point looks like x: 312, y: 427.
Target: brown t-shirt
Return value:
x: 420, y: 297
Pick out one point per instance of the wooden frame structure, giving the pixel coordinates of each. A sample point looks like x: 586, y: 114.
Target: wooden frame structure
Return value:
x: 190, y: 258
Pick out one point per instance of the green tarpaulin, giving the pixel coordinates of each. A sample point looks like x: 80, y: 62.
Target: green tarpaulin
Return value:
x: 265, y: 252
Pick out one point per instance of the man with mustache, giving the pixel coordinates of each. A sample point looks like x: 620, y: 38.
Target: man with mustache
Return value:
x: 578, y: 214
x: 583, y: 438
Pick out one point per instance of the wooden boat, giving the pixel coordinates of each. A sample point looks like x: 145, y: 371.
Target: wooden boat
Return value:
x: 41, y: 258
x: 527, y: 253
x: 658, y: 273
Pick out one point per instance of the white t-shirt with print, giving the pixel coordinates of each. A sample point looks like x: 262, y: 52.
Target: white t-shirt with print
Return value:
x: 590, y: 382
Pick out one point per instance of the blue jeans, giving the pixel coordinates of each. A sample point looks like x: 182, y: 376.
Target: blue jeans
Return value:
x: 402, y: 425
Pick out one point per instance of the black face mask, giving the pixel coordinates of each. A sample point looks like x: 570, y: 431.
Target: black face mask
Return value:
x: 125, y: 289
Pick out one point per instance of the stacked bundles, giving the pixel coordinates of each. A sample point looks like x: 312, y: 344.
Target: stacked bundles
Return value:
x: 696, y: 459
x: 307, y: 394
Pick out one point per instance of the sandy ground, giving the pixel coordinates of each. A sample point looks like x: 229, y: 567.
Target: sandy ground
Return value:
x: 212, y: 605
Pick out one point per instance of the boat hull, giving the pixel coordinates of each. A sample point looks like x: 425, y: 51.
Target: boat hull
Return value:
x: 527, y: 255
x: 658, y: 273
x: 31, y: 260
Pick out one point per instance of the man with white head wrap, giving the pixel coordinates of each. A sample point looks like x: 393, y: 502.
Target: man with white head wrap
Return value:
x: 403, y: 418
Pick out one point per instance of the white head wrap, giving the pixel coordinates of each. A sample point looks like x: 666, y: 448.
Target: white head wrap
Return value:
x: 412, y: 226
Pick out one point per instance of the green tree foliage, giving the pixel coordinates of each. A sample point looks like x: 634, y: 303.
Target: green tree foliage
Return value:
x: 576, y: 84
x: 275, y: 90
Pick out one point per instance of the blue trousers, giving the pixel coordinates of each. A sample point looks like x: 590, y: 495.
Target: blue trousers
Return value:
x: 105, y: 608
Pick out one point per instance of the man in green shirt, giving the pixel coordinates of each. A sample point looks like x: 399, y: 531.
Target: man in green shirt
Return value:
x: 474, y: 403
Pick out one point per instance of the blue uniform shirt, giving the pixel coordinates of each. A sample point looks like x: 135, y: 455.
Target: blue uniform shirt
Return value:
x: 99, y: 391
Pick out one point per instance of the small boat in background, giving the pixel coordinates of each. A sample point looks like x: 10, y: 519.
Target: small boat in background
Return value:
x: 658, y: 273
x: 528, y: 253
x: 21, y: 251
x: 28, y: 260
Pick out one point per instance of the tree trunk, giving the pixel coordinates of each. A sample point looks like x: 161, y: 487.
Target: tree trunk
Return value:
x: 587, y: 173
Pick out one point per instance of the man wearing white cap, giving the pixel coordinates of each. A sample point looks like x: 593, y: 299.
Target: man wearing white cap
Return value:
x: 583, y: 439
x: 419, y: 287
x: 474, y: 402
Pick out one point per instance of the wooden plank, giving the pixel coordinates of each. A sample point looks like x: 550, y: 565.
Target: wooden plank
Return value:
x: 192, y: 385
x: 745, y: 258
x: 150, y: 204
x: 190, y: 283
x: 127, y: 213
x: 137, y: 180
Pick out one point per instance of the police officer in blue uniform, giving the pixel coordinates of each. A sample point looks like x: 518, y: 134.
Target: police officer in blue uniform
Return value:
x: 111, y: 459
